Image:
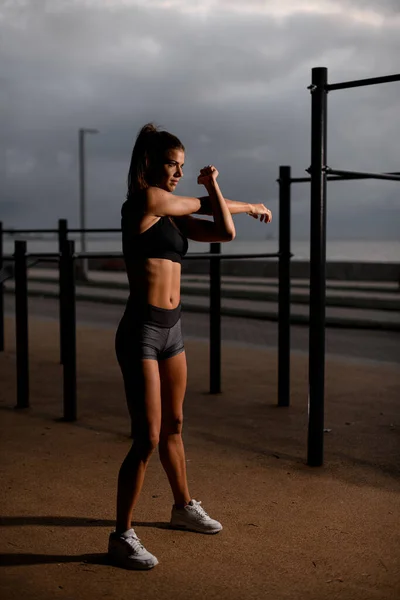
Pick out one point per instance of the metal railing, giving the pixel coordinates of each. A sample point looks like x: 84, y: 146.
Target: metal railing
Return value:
x: 20, y: 261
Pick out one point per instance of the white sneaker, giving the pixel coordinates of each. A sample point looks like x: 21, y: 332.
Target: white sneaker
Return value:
x: 126, y: 551
x: 193, y: 517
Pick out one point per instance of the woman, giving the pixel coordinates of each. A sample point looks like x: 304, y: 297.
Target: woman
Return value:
x: 149, y: 345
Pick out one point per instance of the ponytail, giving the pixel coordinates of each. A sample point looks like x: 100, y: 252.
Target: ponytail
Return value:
x: 150, y: 147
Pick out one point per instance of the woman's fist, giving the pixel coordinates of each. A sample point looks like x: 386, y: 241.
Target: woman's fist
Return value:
x: 259, y: 211
x: 207, y: 175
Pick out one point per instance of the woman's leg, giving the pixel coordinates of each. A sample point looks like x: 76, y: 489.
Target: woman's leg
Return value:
x: 173, y: 376
x: 142, y: 386
x: 187, y: 513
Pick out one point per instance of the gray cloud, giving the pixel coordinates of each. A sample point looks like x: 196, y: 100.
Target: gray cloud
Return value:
x: 232, y: 85
x: 382, y: 7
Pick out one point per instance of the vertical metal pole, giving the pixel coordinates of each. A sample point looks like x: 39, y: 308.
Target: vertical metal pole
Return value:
x: 82, y: 202
x: 84, y: 263
x: 284, y: 288
x: 21, y: 324
x: 62, y: 238
x: 69, y: 335
x: 1, y: 292
x: 215, y: 320
x: 316, y: 372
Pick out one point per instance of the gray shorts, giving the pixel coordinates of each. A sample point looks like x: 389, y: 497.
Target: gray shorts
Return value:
x: 156, y: 335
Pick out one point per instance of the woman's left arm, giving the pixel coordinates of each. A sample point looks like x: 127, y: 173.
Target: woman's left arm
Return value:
x: 235, y: 207
x: 258, y: 211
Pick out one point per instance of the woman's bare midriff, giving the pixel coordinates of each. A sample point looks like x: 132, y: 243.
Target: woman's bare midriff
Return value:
x: 156, y: 281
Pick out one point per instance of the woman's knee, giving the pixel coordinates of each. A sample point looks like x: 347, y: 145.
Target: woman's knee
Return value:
x: 171, y: 426
x: 146, y: 443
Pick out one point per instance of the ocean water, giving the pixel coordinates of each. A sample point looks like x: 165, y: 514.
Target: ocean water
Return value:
x: 336, y: 250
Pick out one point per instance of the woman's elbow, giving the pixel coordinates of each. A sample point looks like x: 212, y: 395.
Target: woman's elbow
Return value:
x: 228, y: 236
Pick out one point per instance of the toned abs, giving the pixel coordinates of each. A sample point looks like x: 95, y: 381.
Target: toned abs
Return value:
x: 154, y: 280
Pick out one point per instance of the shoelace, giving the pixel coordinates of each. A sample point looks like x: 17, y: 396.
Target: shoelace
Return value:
x: 134, y: 542
x: 199, y: 509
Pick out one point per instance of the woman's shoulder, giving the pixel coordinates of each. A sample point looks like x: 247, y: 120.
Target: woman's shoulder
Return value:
x: 136, y: 220
x: 133, y: 207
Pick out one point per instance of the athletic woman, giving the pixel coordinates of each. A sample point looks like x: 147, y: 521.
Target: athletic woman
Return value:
x: 156, y: 225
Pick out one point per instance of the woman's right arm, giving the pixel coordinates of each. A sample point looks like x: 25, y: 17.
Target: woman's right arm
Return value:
x: 222, y: 216
x: 161, y: 203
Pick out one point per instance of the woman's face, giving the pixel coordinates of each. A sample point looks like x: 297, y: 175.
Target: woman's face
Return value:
x: 171, y: 170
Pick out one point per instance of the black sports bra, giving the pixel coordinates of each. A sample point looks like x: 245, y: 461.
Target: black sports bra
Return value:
x: 161, y: 240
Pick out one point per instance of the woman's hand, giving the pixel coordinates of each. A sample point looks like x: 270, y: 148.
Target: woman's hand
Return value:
x: 259, y: 211
x: 207, y: 175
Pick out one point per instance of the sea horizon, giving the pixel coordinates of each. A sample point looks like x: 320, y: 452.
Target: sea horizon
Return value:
x: 336, y: 250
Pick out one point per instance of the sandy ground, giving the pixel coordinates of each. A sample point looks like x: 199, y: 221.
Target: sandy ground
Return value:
x: 290, y: 531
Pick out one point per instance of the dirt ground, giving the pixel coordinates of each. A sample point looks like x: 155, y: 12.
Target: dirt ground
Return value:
x: 290, y: 531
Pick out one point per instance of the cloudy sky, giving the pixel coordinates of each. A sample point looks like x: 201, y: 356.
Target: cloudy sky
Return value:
x: 229, y: 77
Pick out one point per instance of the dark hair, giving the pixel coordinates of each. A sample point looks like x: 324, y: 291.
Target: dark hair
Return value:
x: 149, y: 150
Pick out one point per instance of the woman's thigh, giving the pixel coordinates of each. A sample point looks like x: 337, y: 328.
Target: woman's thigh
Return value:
x: 143, y: 395
x: 173, y: 377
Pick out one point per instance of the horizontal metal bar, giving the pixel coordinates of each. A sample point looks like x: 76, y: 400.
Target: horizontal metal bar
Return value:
x: 46, y: 259
x: 364, y: 175
x: 200, y: 255
x: 308, y: 179
x: 362, y: 82
x: 54, y: 256
x: 55, y: 231
x: 44, y: 256
x: 98, y: 255
x: 18, y: 231
x: 94, y: 230
x: 39, y: 257
x: 193, y: 255
x: 349, y: 176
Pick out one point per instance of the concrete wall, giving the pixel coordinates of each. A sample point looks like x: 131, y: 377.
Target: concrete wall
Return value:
x: 389, y: 272
x: 342, y: 271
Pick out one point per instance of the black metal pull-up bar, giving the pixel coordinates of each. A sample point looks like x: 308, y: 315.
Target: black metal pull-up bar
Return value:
x: 345, y: 176
x: 320, y: 174
x: 360, y: 174
x: 362, y: 82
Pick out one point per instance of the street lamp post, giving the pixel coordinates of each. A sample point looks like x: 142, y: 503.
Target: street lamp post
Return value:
x: 82, y: 197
